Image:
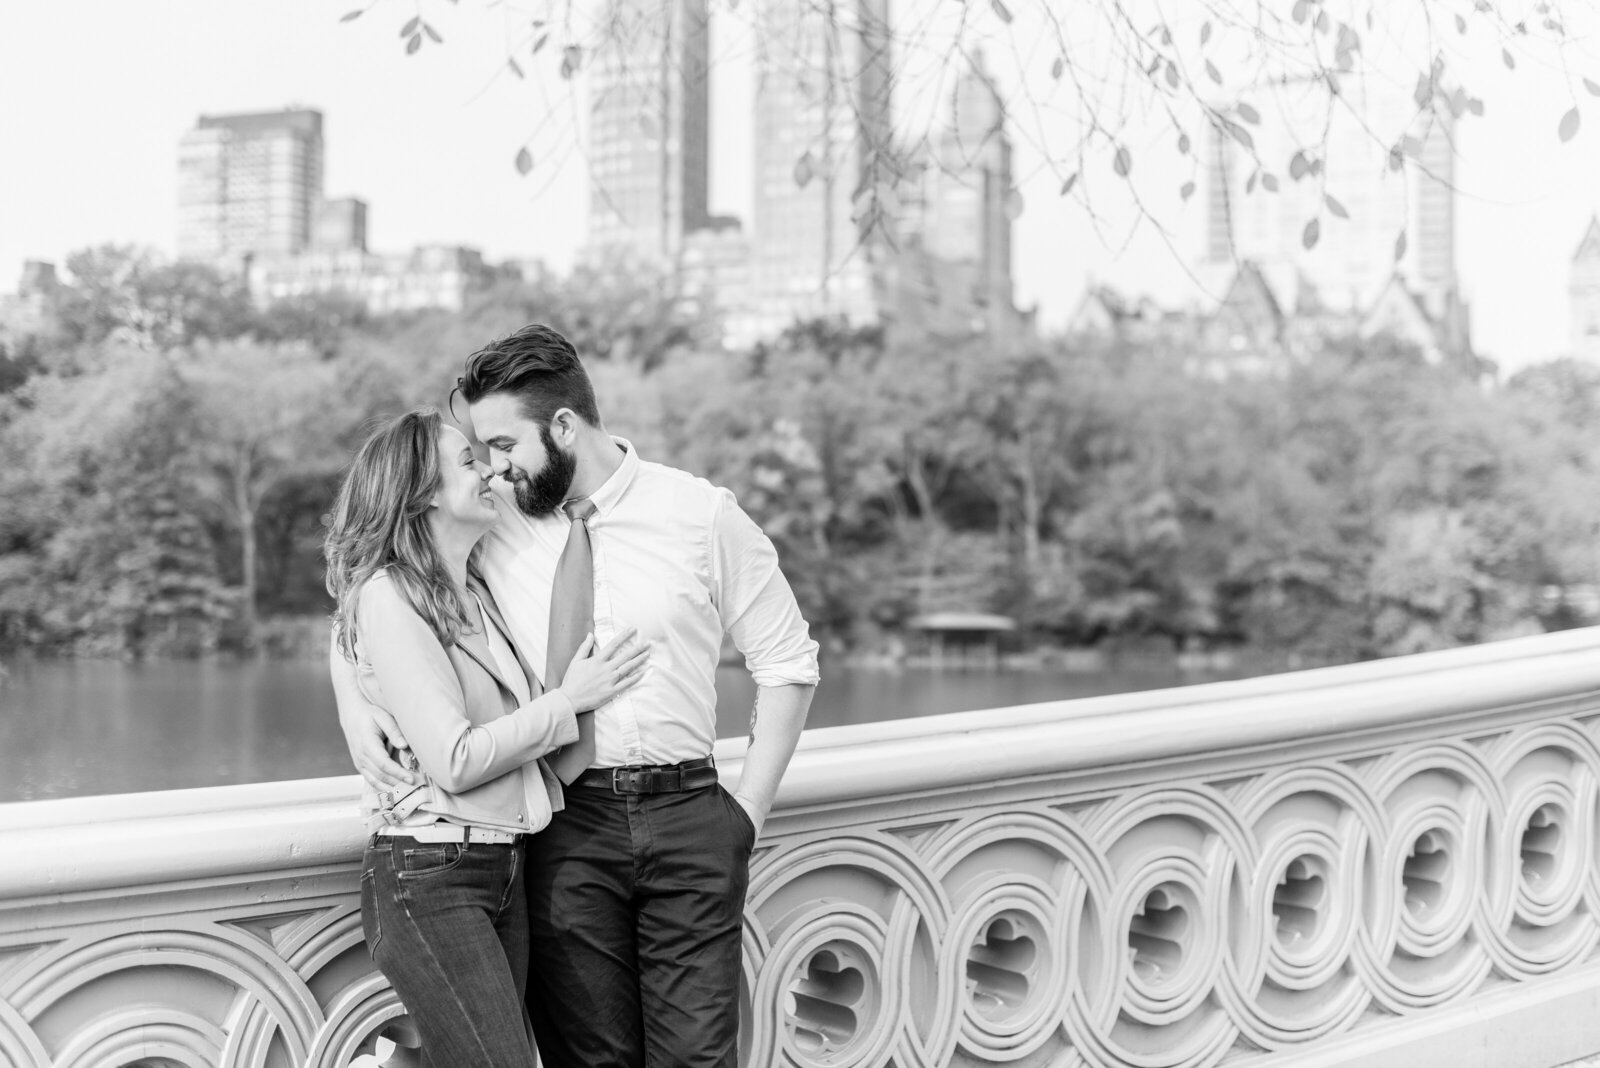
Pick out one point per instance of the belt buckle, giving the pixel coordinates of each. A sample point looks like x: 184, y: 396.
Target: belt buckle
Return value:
x: 616, y: 780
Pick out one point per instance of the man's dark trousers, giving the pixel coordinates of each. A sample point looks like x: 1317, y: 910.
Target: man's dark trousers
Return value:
x: 636, y: 910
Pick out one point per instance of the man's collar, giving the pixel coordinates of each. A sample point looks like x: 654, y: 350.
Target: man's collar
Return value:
x: 611, y: 490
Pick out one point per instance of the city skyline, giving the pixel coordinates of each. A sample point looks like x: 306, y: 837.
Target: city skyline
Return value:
x: 408, y: 131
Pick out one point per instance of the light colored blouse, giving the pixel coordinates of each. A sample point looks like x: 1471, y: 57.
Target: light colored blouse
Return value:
x: 477, y: 728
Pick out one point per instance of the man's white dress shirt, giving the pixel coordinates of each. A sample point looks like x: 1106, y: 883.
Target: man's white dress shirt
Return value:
x: 677, y: 558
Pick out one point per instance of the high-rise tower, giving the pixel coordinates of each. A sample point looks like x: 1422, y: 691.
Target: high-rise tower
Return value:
x: 649, y: 122
x: 1353, y: 259
x: 249, y: 184
x: 969, y: 226
x: 822, y: 155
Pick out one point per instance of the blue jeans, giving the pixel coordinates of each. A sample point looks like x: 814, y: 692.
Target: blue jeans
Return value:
x: 447, y: 924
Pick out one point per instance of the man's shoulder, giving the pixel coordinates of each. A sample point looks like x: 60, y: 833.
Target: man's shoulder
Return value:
x: 681, y: 488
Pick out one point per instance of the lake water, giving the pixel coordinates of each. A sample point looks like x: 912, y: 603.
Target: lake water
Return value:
x: 69, y: 728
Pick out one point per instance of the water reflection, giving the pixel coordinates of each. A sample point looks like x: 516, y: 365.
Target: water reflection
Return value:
x: 69, y: 728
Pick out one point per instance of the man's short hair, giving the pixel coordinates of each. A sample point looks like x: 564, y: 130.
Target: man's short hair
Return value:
x: 537, y: 365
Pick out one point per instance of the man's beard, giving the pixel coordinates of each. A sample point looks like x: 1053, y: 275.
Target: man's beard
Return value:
x: 543, y: 493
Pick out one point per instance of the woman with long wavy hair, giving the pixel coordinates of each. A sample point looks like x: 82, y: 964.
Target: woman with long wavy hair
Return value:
x: 442, y: 878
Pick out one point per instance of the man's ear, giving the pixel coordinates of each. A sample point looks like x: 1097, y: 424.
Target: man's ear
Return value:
x: 564, y: 426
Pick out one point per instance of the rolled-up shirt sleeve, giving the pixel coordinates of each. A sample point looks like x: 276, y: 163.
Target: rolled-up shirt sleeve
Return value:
x: 757, y: 606
x: 420, y: 689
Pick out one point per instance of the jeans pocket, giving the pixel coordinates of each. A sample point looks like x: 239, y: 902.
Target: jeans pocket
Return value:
x: 429, y: 859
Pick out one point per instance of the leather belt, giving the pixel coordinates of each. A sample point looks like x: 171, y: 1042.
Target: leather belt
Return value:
x: 652, y: 778
x: 452, y: 832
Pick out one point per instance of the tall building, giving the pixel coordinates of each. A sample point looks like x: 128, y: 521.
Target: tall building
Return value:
x: 1353, y: 259
x: 649, y: 129
x: 249, y: 184
x: 1583, y: 290
x: 967, y: 225
x: 340, y: 225
x: 822, y: 138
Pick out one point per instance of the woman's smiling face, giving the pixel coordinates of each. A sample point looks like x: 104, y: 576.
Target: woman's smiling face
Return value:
x: 464, y: 497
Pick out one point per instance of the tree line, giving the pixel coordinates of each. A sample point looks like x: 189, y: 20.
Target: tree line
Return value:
x: 171, y: 453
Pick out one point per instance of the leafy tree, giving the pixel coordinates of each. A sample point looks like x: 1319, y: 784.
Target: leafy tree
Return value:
x: 263, y: 415
x: 125, y: 295
x: 104, y: 553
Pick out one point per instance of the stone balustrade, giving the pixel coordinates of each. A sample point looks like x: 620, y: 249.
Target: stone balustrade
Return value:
x: 1381, y: 864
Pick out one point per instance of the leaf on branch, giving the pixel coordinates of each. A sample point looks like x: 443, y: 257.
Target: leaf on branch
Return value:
x: 1475, y: 105
x: 1334, y: 206
x: 1507, y: 59
x: 1333, y: 82
x: 1424, y: 90
x: 1269, y: 182
x: 1400, y: 246
x: 411, y: 26
x: 524, y: 161
x: 1593, y: 86
x: 1324, y: 23
x: 1299, y: 166
x: 1166, y: 36
x: 1123, y: 162
x: 1312, y: 232
x: 1249, y: 114
x: 1014, y: 205
x: 543, y: 37
x: 1183, y: 144
x: 1211, y: 72
x: 1569, y: 125
x: 1172, y: 74
x: 1205, y: 33
x: 1187, y: 190
x: 433, y: 33
x: 516, y: 68
x: 1250, y: 183
x: 1058, y: 67
x: 1461, y: 24
x: 571, y: 60
x: 1072, y: 180
x: 349, y: 16
x: 1239, y: 133
x: 1001, y: 10
x: 1301, y: 9
x: 804, y: 170
x: 414, y: 44
x: 1397, y: 157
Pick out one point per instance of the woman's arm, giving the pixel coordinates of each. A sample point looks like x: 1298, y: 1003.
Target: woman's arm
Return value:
x: 421, y: 690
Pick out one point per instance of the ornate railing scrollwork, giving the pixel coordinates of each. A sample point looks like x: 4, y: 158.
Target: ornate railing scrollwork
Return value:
x: 1383, y: 864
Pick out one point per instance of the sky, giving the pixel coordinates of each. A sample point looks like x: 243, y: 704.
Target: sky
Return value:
x: 95, y: 94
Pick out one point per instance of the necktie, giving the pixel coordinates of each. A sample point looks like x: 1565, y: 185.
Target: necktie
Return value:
x: 571, y: 618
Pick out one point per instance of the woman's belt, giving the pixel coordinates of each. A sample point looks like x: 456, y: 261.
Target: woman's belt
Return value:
x: 451, y: 832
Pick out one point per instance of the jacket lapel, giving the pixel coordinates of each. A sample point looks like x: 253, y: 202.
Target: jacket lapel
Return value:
x: 496, y: 620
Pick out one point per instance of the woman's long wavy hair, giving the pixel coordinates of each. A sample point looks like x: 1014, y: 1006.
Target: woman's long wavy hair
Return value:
x: 380, y: 520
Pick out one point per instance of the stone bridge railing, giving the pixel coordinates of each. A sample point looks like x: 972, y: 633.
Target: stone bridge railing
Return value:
x: 1383, y: 864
